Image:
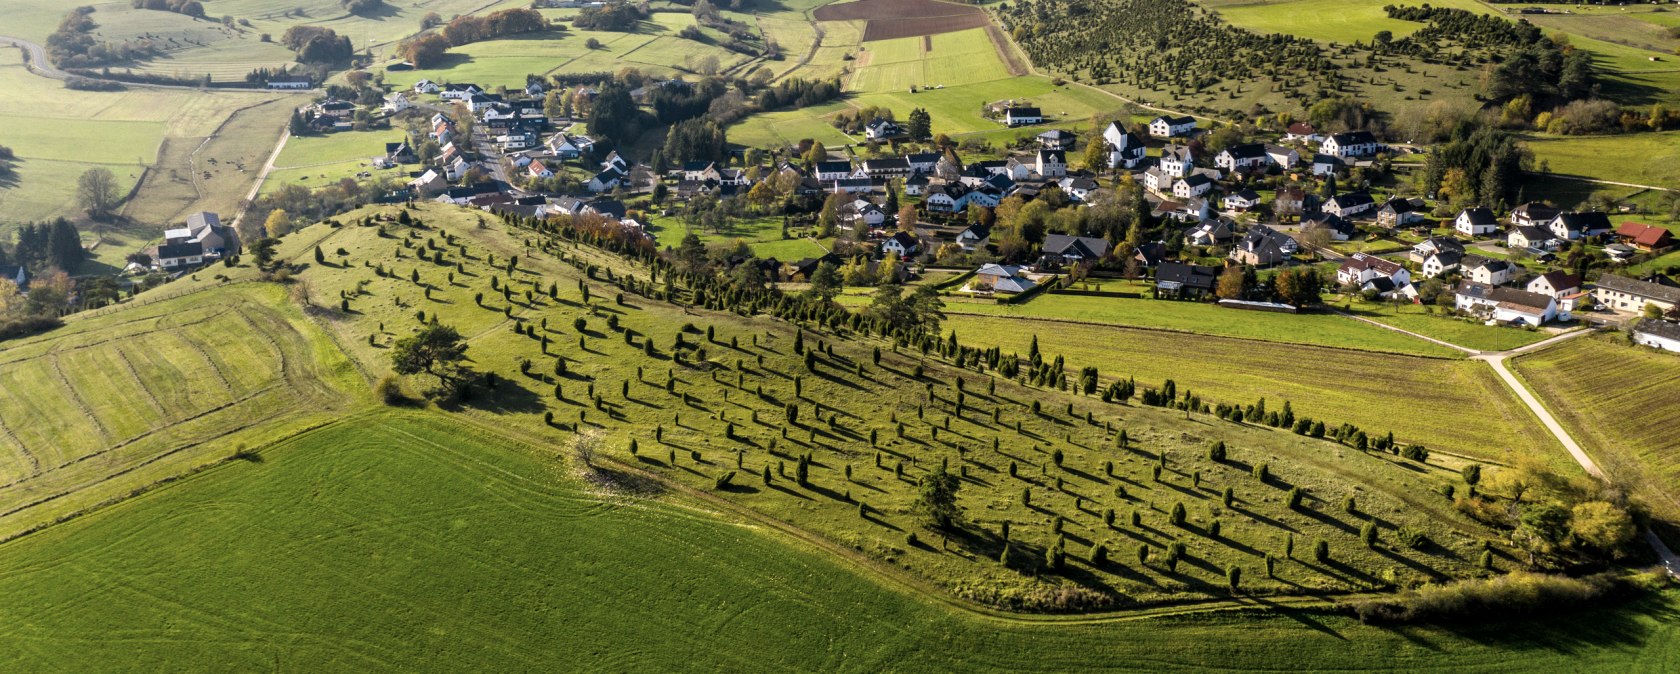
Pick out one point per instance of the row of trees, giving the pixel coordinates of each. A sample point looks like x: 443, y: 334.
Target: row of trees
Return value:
x: 73, y: 44
x: 46, y: 245
x: 316, y: 45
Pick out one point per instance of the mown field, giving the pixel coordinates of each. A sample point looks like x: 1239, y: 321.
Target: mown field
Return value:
x: 928, y: 62
x: 1621, y: 403
x: 1452, y: 405
x: 762, y: 235
x: 405, y: 542
x: 117, y: 402
x: 1205, y: 318
x: 321, y: 160
x: 1642, y: 159
x: 1341, y: 21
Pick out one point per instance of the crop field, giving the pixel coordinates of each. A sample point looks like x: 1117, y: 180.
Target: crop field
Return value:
x: 927, y: 62
x: 1638, y: 27
x: 1201, y: 317
x: 118, y: 402
x: 500, y: 562
x: 1641, y: 158
x: 1621, y: 403
x: 890, y: 19
x: 1451, y: 405
x: 193, y: 47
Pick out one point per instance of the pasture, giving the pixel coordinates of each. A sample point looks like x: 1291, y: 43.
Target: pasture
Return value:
x: 318, y: 161
x: 406, y: 542
x: 1640, y: 158
x: 1451, y: 405
x: 117, y: 402
x: 1340, y: 21
x: 1621, y: 403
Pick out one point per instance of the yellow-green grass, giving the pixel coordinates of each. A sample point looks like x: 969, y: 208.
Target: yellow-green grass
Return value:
x: 1631, y: 77
x: 1320, y: 329
x: 1453, y: 405
x: 1639, y: 158
x: 382, y: 30
x: 1635, y: 27
x: 506, y: 62
x: 223, y: 167
x: 193, y: 48
x: 119, y: 401
x: 785, y: 128
x: 1341, y: 21
x: 696, y: 428
x: 1621, y: 403
x: 500, y: 562
x: 962, y: 57
x: 1468, y: 334
x: 793, y: 34
x: 318, y: 161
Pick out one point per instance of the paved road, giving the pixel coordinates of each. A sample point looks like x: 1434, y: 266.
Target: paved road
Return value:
x: 35, y: 59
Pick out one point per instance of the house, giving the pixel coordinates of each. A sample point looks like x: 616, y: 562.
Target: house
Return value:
x: 1195, y: 185
x: 334, y: 108
x: 974, y: 238
x: 1360, y: 268
x: 1555, y: 283
x: 400, y: 153
x: 1486, y: 270
x: 1194, y: 209
x: 1051, y: 163
x: 1350, y: 144
x: 830, y: 171
x: 1399, y: 212
x: 428, y: 184
x: 916, y: 185
x: 1302, y: 132
x: 1433, y: 245
x: 882, y: 129
x: 205, y: 229
x: 1169, y: 127
x: 177, y: 255
x: 1289, y: 201
x: 1007, y: 279
x: 456, y: 169
x: 1176, y: 161
x: 1505, y: 305
x: 1125, y: 149
x: 1573, y: 226
x: 923, y: 162
x: 1218, y: 232
x: 1057, y: 139
x: 289, y: 82
x: 1442, y: 261
x: 1283, y: 157
x: 1387, y: 288
x: 1061, y: 249
x: 1349, y: 205
x: 1645, y: 237
x: 459, y: 92
x: 1477, y: 221
x: 1245, y: 157
x: 1528, y: 236
x: 1263, y: 246
x: 1621, y: 293
x: 1657, y: 335
x: 539, y: 170
x: 425, y: 87
x: 1324, y: 165
x: 1022, y: 116
x: 1533, y: 214
x: 1185, y: 281
x: 1335, y: 227
x: 1078, y: 188
x: 607, y: 180
x: 1242, y: 201
x: 396, y: 103
x: 901, y: 244
x: 866, y: 212
x: 852, y: 186
x: 1151, y: 254
x: 891, y: 167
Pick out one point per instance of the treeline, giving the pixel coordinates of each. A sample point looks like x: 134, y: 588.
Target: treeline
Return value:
x: 72, y: 45
x: 696, y: 139
x: 191, y: 8
x: 299, y: 204
x: 618, y: 17
x: 1466, y: 27
x: 672, y: 104
x: 1504, y: 597
x: 314, y: 44
x: 46, y: 245
x: 799, y: 93
x: 362, y: 7
x: 426, y: 50
x: 1477, y: 166
x: 8, y: 163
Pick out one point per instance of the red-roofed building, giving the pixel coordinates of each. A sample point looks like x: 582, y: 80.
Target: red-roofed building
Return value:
x: 1645, y: 237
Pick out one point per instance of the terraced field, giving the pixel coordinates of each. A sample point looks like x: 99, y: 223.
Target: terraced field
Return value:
x: 1622, y: 404
x: 112, y: 404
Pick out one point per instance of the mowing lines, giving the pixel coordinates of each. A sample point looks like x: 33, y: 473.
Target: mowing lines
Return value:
x: 946, y: 59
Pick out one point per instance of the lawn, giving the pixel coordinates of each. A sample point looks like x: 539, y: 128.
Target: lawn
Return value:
x: 1321, y: 329
x: 1640, y: 158
x: 1468, y: 334
x: 119, y: 401
x: 403, y: 542
x: 946, y: 59
x: 1452, y: 405
x: 1621, y: 403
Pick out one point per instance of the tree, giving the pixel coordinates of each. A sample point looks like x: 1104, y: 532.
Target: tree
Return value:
x: 424, y: 51
x: 277, y: 224
x: 1231, y: 284
x: 936, y: 502
x: 436, y: 350
x: 1297, y: 285
x: 825, y: 282
x: 921, y: 124
x: 1601, y: 525
x: 97, y: 193
x: 1096, y: 154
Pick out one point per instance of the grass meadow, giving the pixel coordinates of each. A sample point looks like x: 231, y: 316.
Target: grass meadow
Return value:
x: 1341, y: 21
x: 946, y: 59
x: 116, y: 402
x: 1468, y: 334
x: 321, y: 160
x: 1445, y: 404
x: 1641, y: 158
x: 405, y: 542
x: 1621, y: 403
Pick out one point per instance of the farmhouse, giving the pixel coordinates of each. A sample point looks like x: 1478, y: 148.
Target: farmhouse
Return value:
x: 923, y: 162
x: 1022, y: 116
x: 1184, y: 281
x: 1350, y: 144
x: 1644, y: 237
x: 891, y: 167
x: 1246, y: 157
x: 1006, y: 279
x: 1169, y: 127
x: 1505, y: 305
x: 1658, y: 335
x: 1625, y: 294
x: 1477, y: 221
x: 1125, y: 150
x: 829, y: 171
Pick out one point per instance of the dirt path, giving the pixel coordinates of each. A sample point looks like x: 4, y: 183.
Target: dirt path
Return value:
x: 1006, y: 49
x: 262, y: 175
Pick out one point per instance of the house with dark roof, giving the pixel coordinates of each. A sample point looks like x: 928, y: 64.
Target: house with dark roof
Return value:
x: 1558, y: 284
x: 1477, y: 221
x: 1399, y: 212
x: 1263, y: 246
x: 1349, y: 204
x: 1245, y: 157
x: 1621, y: 293
x: 830, y: 171
x: 1350, y: 144
x: 1336, y: 228
x: 1168, y: 127
x: 1057, y: 139
x: 1530, y: 237
x: 1177, y: 280
x: 1533, y: 214
x: 1574, y: 226
x: 902, y: 244
x: 975, y: 237
x: 1657, y: 334
x: 1214, y: 232
x: 1003, y: 279
x: 1125, y: 149
x: 1061, y: 249
x: 1359, y: 268
x: 1022, y: 115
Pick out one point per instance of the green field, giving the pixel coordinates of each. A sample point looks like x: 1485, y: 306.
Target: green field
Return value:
x: 1468, y: 334
x: 318, y: 161
x: 762, y: 235
x: 928, y: 62
x: 1640, y: 158
x: 1205, y: 318
x: 119, y: 402
x: 1621, y: 404
x: 1341, y: 21
x: 1451, y: 405
x: 404, y: 542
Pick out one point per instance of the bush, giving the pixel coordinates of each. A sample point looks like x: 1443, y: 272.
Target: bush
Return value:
x: 1412, y: 538
x: 389, y: 390
x: 1506, y: 597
